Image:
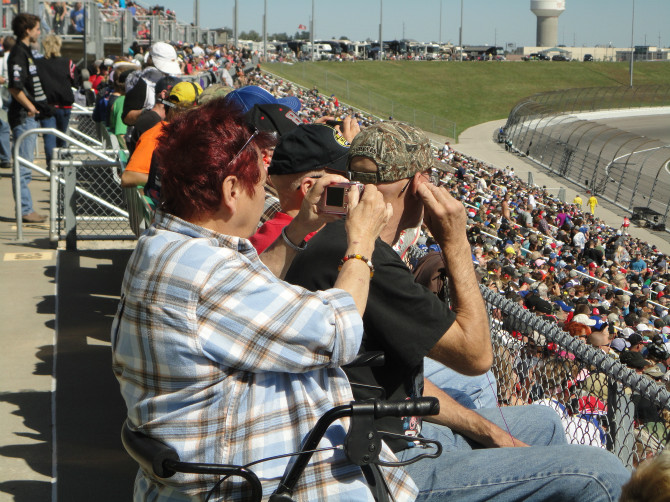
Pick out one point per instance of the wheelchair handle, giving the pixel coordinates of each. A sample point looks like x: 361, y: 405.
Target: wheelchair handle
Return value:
x: 419, y: 407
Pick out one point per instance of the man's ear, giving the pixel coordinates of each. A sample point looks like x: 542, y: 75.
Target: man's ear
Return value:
x: 417, y: 179
x: 230, y: 193
x: 306, y: 184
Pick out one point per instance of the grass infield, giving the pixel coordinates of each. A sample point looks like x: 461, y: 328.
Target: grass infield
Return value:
x: 466, y: 93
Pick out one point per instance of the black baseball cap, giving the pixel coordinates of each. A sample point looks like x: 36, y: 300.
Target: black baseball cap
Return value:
x: 633, y: 359
x: 166, y: 84
x: 273, y: 117
x: 310, y: 147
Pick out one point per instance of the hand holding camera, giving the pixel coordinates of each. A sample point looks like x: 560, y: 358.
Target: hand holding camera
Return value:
x: 366, y: 219
x: 335, y: 199
x: 311, y: 217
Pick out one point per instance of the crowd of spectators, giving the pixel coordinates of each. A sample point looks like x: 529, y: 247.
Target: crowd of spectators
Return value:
x: 68, y: 18
x: 526, y: 244
x: 601, y: 285
x: 597, y: 282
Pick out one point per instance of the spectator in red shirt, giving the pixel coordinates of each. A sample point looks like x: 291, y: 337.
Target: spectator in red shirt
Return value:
x: 303, y: 155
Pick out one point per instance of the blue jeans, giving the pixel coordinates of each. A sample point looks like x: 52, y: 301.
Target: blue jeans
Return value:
x: 5, y: 146
x: 60, y: 120
x: 26, y: 151
x: 549, y: 470
x: 471, y: 392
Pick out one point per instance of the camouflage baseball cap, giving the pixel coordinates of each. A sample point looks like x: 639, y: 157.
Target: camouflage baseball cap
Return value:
x: 399, y: 150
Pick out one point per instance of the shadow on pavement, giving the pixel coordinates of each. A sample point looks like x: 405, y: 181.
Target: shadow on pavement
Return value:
x: 34, y: 407
x: 89, y: 407
x: 91, y: 462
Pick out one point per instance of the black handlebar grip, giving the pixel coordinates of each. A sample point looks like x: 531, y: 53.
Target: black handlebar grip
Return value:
x: 418, y: 407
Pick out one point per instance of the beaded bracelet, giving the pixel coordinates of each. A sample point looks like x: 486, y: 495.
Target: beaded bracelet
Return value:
x: 357, y: 257
x: 288, y: 242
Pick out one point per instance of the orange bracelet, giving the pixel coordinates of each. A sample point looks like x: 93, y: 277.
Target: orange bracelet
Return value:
x: 357, y: 257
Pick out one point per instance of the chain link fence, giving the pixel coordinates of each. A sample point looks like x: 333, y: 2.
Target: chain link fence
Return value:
x: 371, y: 102
x: 99, y: 206
x: 601, y: 402
x: 628, y: 170
x: 88, y: 201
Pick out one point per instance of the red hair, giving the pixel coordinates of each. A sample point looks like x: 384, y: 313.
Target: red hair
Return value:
x: 577, y: 329
x: 194, y: 153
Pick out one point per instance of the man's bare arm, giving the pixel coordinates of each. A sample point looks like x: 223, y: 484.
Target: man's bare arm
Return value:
x: 133, y: 179
x: 466, y: 346
x: 467, y: 422
x: 131, y: 117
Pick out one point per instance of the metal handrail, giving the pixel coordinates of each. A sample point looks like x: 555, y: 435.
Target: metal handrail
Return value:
x: 86, y: 137
x: 19, y: 160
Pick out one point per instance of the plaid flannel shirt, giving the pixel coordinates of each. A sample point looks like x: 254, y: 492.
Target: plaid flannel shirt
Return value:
x: 226, y: 363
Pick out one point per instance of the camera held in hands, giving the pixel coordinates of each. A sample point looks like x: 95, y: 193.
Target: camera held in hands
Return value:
x: 335, y: 198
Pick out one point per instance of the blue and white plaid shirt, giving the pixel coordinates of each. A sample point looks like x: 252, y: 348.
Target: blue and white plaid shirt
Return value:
x: 226, y: 363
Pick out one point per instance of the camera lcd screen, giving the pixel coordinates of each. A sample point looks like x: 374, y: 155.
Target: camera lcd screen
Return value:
x: 335, y: 196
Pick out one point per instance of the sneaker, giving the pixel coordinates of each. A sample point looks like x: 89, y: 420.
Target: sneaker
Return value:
x: 34, y: 218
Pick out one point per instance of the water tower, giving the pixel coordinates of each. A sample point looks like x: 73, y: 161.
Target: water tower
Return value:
x: 547, y: 12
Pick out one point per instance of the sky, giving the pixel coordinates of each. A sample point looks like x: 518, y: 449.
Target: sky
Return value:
x: 485, y: 22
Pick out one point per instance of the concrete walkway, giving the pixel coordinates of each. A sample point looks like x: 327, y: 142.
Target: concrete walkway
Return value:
x: 60, y: 406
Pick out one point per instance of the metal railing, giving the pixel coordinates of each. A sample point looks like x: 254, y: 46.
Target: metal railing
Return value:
x: 602, y: 402
x: 628, y: 170
x: 18, y: 161
x: 110, y: 25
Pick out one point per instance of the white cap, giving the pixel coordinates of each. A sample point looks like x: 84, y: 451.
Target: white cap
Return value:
x: 164, y: 58
x: 643, y: 327
x: 584, y: 319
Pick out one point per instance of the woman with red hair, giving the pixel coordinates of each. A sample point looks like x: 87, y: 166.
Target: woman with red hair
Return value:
x: 216, y: 356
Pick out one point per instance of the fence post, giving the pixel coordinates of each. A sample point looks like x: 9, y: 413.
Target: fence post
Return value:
x: 561, y: 194
x: 70, y: 205
x: 621, y: 413
x: 531, y: 183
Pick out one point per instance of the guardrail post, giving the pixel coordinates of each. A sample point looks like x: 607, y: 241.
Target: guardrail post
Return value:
x: 621, y: 414
x: 70, y: 201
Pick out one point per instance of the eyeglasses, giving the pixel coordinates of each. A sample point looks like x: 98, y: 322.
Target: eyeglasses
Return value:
x: 406, y: 185
x: 239, y: 152
x: 433, y: 176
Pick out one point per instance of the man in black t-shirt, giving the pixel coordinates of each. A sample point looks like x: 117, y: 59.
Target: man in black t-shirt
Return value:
x: 402, y: 318
x: 28, y: 101
x: 407, y: 322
